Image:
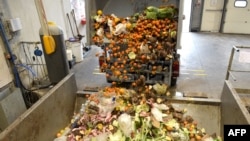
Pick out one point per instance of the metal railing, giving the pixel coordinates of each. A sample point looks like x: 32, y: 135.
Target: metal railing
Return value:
x: 231, y: 60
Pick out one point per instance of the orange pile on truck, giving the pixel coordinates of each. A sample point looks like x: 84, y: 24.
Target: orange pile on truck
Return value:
x: 142, y: 44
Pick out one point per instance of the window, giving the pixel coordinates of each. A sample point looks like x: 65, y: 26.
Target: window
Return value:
x: 240, y: 3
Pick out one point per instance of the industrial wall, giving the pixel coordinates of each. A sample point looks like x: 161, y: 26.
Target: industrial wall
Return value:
x: 28, y: 25
x: 220, y: 16
x: 27, y: 13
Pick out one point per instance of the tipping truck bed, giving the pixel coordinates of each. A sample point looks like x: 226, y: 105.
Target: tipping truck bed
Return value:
x: 145, y: 35
x: 49, y: 114
x: 55, y: 109
x: 235, y: 102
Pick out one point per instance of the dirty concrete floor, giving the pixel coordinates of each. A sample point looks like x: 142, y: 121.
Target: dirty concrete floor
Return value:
x: 204, y: 61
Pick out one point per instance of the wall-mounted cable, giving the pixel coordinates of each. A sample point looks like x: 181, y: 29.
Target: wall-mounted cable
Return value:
x: 12, y: 59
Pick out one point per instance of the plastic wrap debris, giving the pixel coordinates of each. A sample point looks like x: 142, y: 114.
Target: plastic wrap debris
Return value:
x: 157, y: 114
x: 125, y: 124
x: 100, y: 32
x: 120, y: 28
x: 144, y: 48
x: 106, y: 106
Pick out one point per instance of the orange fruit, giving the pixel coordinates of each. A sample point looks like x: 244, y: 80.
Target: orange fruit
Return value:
x: 58, y: 135
x: 99, y: 12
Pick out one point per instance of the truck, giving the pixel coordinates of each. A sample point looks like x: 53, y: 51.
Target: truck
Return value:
x: 139, y: 38
x: 55, y: 110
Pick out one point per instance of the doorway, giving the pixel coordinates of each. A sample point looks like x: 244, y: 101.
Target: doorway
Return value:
x: 187, y: 16
x: 196, y: 7
x: 211, y: 15
x: 237, y: 19
x: 204, y: 16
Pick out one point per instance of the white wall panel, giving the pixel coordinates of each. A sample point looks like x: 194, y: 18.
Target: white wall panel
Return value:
x: 211, y: 16
x: 237, y: 20
x: 5, y: 76
x: 26, y: 10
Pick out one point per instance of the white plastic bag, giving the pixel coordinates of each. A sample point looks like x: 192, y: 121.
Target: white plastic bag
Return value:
x: 125, y: 124
x: 106, y: 106
x: 120, y: 28
x: 157, y: 114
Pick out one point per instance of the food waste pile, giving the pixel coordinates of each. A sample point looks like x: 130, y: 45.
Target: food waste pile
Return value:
x: 133, y: 114
x: 141, y: 111
x: 143, y: 43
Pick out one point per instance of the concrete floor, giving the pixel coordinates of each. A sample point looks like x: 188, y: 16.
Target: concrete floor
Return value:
x: 204, y: 62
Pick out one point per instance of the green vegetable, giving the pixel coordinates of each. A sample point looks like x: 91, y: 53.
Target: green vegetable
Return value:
x: 136, y: 15
x: 93, y: 139
x: 166, y: 12
x: 137, y: 119
x: 151, y: 15
x: 141, y: 107
x: 173, y: 34
x: 90, y: 125
x: 168, y: 138
x: 180, y: 136
x: 144, y: 129
x: 185, y: 130
x: 115, y: 123
x: 151, y: 12
x: 131, y: 55
x: 117, y: 136
x: 218, y: 139
x: 151, y: 9
x: 160, y: 88
x: 173, y: 123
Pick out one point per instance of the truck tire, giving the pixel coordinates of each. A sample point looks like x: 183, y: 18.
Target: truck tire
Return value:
x: 173, y: 81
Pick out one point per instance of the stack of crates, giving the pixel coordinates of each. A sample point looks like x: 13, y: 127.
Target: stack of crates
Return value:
x: 162, y: 67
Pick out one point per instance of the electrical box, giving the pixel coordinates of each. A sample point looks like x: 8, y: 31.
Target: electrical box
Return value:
x: 15, y: 24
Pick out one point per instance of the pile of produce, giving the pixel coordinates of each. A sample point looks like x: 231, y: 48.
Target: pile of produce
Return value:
x: 153, y: 22
x: 120, y: 114
x: 141, y: 43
